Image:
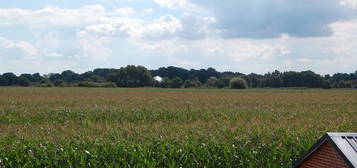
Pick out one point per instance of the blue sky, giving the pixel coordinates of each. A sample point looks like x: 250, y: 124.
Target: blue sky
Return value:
x: 244, y: 36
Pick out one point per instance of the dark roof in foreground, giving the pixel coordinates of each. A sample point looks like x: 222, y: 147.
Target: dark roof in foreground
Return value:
x: 344, y: 143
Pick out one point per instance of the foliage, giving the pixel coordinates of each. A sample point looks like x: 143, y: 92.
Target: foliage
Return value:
x: 11, y: 78
x: 88, y: 84
x: 192, y: 83
x: 165, y: 82
x: 139, y: 76
x: 23, y: 81
x: 326, y: 84
x: 132, y: 76
x: 238, y: 83
x: 3, y: 81
x: 176, y: 82
x: 214, y: 82
x: 96, y: 84
x: 60, y: 83
x: 45, y: 82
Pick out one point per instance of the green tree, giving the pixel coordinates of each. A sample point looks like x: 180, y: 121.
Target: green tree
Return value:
x: 342, y: 84
x: 214, y: 82
x: 187, y: 84
x: 11, y: 78
x: 226, y: 79
x: 23, y: 81
x: 165, y: 82
x: 60, y: 83
x: 69, y: 76
x: 326, y: 84
x: 176, y: 82
x: 132, y: 76
x: 45, y: 82
x: 238, y: 83
x: 3, y: 81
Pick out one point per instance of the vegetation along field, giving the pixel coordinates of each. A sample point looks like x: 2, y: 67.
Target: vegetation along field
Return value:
x: 148, y: 127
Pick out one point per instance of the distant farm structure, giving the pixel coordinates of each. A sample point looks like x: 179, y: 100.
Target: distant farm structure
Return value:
x: 331, y: 151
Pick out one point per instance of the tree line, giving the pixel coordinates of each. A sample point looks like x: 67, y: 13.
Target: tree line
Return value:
x: 176, y: 77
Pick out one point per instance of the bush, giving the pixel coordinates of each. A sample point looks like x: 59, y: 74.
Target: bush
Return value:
x: 108, y: 85
x: 95, y: 84
x: 45, y: 82
x: 238, y: 83
x: 60, y: 83
x: 88, y: 84
x: 46, y: 85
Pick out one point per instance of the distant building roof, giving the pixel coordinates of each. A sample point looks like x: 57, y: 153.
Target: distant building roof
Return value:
x: 158, y: 78
x: 344, y: 143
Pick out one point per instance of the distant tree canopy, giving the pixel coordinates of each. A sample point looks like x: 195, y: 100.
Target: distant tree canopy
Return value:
x: 176, y: 77
x: 131, y: 76
x: 23, y: 81
x: 238, y: 83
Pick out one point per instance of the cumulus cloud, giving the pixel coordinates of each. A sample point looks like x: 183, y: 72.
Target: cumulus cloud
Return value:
x: 194, y: 33
x: 16, y: 49
x: 175, y: 4
x: 93, y: 46
x: 271, y: 18
x: 124, y: 11
x: 52, y: 15
x: 349, y: 3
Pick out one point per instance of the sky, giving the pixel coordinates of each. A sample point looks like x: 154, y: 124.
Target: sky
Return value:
x: 256, y: 36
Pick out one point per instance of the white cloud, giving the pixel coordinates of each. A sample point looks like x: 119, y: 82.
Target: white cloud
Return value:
x: 215, y: 50
x: 16, y: 49
x: 163, y: 27
x: 271, y: 19
x: 52, y: 16
x: 124, y: 11
x: 349, y: 3
x: 149, y: 10
x: 173, y: 4
x: 344, y: 39
x: 87, y: 35
x: 93, y: 46
x: 245, y: 49
x: 304, y: 60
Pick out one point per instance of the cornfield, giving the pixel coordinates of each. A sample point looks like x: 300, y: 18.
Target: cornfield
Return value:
x: 147, y: 127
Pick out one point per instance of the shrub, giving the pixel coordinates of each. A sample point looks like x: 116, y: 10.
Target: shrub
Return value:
x: 45, y: 82
x: 60, y: 83
x: 96, y: 84
x: 238, y: 83
x: 108, y: 85
x: 88, y: 84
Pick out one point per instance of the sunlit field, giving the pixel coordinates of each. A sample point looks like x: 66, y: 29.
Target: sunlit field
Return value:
x: 146, y: 127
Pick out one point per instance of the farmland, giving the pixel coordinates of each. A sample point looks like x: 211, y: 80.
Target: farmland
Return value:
x: 147, y: 127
